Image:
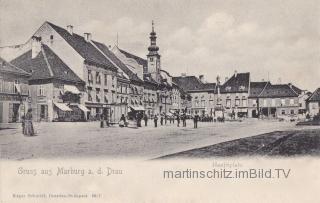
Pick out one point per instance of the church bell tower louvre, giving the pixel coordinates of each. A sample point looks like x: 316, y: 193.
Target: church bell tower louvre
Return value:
x: 153, y: 56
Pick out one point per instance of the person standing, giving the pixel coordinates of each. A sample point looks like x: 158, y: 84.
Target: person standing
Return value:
x: 155, y: 119
x: 101, y: 121
x: 161, y: 120
x: 178, y: 120
x: 122, y: 121
x: 184, y: 123
x: 28, y: 126
x: 195, y: 121
x: 145, y: 120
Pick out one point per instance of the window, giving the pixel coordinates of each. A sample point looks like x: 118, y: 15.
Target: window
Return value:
x: 228, y: 103
x: 203, y: 103
x: 151, y: 59
x: 41, y: 90
x: 98, y: 78
x: 105, y: 79
x: 292, y: 111
x: 291, y: 101
x: 237, y: 102
x: 98, y: 95
x: 283, y: 112
x: 16, y: 86
x: 90, y: 78
x: 112, y: 81
x: 89, y: 94
x: 244, y: 103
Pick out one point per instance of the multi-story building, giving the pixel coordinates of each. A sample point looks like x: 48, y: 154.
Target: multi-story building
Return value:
x: 55, y: 90
x: 313, y: 103
x: 278, y: 99
x: 233, y: 95
x: 202, y: 94
x: 14, y: 92
x: 81, y: 55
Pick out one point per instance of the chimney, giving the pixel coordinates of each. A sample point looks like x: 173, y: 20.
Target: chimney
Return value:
x: 35, y: 46
x: 235, y: 73
x: 201, y: 78
x: 290, y: 85
x: 87, y: 36
x: 183, y: 74
x: 70, y: 29
x: 226, y: 79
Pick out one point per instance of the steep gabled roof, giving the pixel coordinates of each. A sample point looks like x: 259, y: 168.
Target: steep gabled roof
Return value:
x: 45, y: 65
x: 296, y: 89
x: 10, y: 68
x: 277, y: 91
x: 256, y: 88
x: 84, y: 48
x: 315, y: 97
x: 237, y: 83
x: 193, y: 84
x: 118, y: 62
x: 139, y: 60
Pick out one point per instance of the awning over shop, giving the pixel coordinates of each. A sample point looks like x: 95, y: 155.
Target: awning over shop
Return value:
x: 62, y: 106
x: 137, y: 108
x: 83, y: 108
x: 71, y: 88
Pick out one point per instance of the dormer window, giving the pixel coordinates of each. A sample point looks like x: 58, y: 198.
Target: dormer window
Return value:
x: 228, y: 88
x: 241, y: 88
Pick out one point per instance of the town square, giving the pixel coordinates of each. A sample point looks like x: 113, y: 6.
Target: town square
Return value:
x: 159, y: 101
x: 67, y: 92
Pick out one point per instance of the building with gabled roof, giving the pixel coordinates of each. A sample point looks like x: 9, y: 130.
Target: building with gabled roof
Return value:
x: 276, y: 100
x: 14, y: 92
x: 232, y: 98
x: 90, y: 64
x: 53, y: 87
x: 202, y: 94
x: 313, y: 103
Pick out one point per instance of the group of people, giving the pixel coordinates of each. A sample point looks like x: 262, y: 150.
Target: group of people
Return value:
x: 179, y: 118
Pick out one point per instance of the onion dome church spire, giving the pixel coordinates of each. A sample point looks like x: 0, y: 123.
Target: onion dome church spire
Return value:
x: 153, y: 48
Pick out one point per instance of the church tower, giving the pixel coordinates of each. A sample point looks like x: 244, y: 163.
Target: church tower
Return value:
x: 153, y: 56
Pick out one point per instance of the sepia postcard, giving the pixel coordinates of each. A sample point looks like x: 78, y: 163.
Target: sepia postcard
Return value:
x: 159, y: 101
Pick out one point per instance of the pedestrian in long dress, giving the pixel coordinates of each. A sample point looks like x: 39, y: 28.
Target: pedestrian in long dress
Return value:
x: 28, y: 125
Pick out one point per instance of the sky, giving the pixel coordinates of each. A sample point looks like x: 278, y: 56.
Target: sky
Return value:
x: 277, y: 40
